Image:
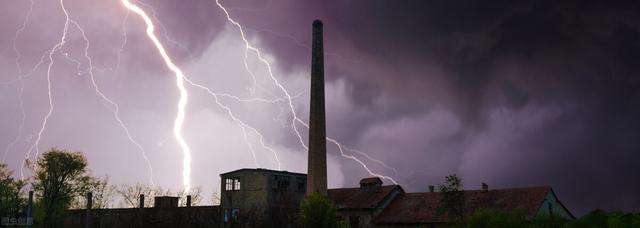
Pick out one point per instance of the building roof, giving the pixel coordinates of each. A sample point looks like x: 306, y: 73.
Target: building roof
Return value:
x: 420, y: 208
x: 263, y: 171
x: 357, y: 198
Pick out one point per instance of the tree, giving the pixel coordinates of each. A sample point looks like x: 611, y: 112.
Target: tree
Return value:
x: 102, y: 191
x: 10, y: 193
x: 317, y: 210
x: 59, y: 177
x: 452, y: 202
x: 195, y: 193
x: 131, y: 194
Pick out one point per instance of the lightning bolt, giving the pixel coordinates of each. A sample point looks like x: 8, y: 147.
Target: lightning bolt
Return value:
x: 116, y: 107
x: 241, y: 123
x: 306, y: 47
x: 249, y: 47
x: 54, y: 49
x: 124, y: 41
x: 20, y: 79
x: 90, y: 70
x: 182, y: 103
x: 180, y: 82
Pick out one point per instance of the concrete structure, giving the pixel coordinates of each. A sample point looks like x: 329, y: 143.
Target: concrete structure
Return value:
x: 259, y: 197
x: 317, y: 161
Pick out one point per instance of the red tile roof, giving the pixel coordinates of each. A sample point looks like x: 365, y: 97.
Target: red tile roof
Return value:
x: 420, y: 208
x: 356, y: 198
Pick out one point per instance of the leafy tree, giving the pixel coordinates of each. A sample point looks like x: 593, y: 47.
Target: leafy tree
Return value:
x: 452, y: 202
x: 10, y: 193
x: 59, y: 177
x: 317, y: 210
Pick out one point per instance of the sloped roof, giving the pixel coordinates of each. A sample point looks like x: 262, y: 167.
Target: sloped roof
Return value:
x: 356, y: 198
x: 420, y: 208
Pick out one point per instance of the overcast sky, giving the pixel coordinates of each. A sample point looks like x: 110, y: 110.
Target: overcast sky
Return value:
x: 511, y: 93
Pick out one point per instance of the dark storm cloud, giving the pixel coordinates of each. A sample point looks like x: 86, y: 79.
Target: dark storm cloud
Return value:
x: 513, y: 93
x: 472, y: 58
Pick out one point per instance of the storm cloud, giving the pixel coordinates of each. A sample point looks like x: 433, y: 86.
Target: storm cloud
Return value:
x: 511, y: 93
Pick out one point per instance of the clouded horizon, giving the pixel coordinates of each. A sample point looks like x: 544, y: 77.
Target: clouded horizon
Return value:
x: 513, y: 94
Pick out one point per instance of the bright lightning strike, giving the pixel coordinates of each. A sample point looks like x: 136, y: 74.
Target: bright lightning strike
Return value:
x: 182, y: 103
x: 295, y: 118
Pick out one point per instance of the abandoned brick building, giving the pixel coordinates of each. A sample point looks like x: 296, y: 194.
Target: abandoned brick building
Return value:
x: 271, y: 198
x: 251, y: 197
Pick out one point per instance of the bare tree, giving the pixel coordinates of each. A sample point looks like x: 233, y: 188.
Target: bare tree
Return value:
x: 196, y: 196
x: 103, y: 194
x: 131, y: 194
x: 215, y: 198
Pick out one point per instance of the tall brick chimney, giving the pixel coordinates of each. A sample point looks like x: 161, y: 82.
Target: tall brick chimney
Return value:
x: 317, y: 167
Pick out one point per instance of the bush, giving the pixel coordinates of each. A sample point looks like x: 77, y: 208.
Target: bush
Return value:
x: 317, y: 210
x: 482, y: 218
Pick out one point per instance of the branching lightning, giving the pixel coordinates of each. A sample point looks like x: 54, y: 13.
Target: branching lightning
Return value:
x: 182, y: 103
x: 54, y: 49
x: 20, y: 79
x: 90, y: 70
x: 295, y: 118
x: 116, y: 107
x: 181, y: 79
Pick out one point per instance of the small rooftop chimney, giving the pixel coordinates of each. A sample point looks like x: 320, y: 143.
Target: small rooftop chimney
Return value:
x: 188, y: 200
x: 431, y: 188
x: 141, y: 200
x: 165, y: 202
x: 370, y: 183
x: 485, y: 187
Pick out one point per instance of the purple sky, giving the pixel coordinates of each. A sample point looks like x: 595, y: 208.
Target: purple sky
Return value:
x: 512, y: 94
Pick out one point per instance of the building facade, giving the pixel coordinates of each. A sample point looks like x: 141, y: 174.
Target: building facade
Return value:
x: 259, y: 197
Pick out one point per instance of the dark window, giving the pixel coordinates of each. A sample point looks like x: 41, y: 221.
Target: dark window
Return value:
x: 235, y: 213
x: 282, y: 183
x: 226, y: 215
x: 301, y: 184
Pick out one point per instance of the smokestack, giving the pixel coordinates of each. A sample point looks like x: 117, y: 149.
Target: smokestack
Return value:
x: 317, y: 167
